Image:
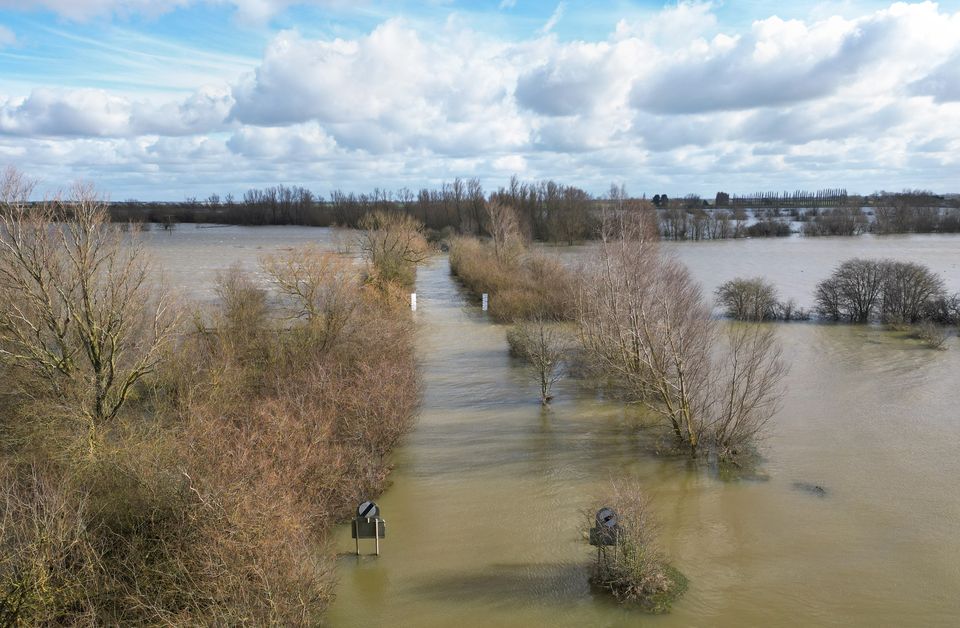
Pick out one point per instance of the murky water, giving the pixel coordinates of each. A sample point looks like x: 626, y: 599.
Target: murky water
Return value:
x: 484, y: 514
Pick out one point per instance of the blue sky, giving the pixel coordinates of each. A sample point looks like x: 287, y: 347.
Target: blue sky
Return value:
x: 162, y: 99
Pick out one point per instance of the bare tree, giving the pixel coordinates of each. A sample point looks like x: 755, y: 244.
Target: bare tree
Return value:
x: 750, y: 372
x: 320, y: 288
x: 853, y: 291
x: 749, y: 299
x: 393, y: 245
x: 543, y: 346
x: 79, y: 311
x: 504, y: 230
x: 643, y: 322
x: 908, y: 288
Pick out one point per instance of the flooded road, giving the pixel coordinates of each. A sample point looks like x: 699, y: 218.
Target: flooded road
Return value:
x: 484, y: 512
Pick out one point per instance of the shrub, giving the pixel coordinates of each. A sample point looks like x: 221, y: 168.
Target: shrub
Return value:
x: 528, y: 285
x: 749, y: 299
x: 932, y: 335
x: 636, y: 572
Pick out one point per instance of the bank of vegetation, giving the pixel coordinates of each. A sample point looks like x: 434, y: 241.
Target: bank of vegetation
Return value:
x: 171, y: 463
x: 521, y: 282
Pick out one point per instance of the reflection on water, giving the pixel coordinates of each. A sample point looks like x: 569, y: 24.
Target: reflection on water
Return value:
x: 484, y: 512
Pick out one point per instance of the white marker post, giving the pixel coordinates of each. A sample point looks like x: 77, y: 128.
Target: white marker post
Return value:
x: 485, y: 300
x: 413, y: 301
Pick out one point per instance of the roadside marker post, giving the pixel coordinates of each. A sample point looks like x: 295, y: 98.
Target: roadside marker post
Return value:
x: 485, y: 301
x: 413, y: 301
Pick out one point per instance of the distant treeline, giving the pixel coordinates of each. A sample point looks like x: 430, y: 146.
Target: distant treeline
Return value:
x: 554, y: 212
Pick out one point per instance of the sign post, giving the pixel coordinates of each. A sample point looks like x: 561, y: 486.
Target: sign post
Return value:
x: 368, y: 525
x: 606, y: 533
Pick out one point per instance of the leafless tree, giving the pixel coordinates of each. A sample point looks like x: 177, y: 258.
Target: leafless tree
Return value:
x: 79, y: 310
x: 643, y: 322
x: 749, y: 299
x: 750, y: 372
x: 393, y: 245
x: 544, y: 347
x: 320, y: 288
x: 504, y: 229
x: 853, y: 291
x: 908, y: 288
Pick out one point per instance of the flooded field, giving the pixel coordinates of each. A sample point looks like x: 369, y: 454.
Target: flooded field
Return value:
x: 484, y: 514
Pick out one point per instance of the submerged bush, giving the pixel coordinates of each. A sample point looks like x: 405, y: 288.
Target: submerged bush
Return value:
x: 543, y: 346
x: 749, y: 299
x: 635, y: 571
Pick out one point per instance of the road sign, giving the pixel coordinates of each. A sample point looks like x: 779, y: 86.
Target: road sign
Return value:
x: 368, y: 510
x: 606, y: 532
x: 606, y: 518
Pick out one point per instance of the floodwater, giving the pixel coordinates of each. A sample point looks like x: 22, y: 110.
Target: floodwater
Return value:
x: 484, y: 515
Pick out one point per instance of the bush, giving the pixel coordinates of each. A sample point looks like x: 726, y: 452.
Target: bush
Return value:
x: 211, y: 496
x: 932, y: 335
x: 529, y: 285
x: 749, y: 299
x: 636, y: 572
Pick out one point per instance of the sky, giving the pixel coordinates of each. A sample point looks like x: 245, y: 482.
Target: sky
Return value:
x: 169, y: 99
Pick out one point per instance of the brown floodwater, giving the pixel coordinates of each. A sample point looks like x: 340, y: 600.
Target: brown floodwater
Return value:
x: 484, y: 518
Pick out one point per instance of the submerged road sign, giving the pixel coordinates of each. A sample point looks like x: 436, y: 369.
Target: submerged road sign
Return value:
x: 368, y: 524
x: 606, y: 532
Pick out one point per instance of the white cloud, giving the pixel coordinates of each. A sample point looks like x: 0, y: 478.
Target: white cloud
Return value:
x: 554, y: 19
x: 99, y: 113
x: 390, y: 90
x: 7, y: 37
x: 675, y: 99
x: 256, y: 11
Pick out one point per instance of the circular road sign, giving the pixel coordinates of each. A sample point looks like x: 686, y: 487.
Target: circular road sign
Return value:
x: 368, y: 510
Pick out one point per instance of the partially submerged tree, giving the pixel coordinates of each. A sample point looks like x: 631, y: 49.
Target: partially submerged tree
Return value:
x: 393, y: 245
x: 317, y: 287
x: 542, y: 346
x: 643, y: 323
x: 753, y: 299
x: 80, y: 313
x: 861, y: 290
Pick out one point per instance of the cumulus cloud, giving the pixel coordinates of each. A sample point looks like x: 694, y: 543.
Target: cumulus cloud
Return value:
x: 99, y: 113
x: 672, y: 97
x: 943, y: 83
x: 389, y: 90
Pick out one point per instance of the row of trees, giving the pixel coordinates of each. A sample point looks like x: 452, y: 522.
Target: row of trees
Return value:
x: 858, y: 291
x: 553, y: 212
x: 893, y: 292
